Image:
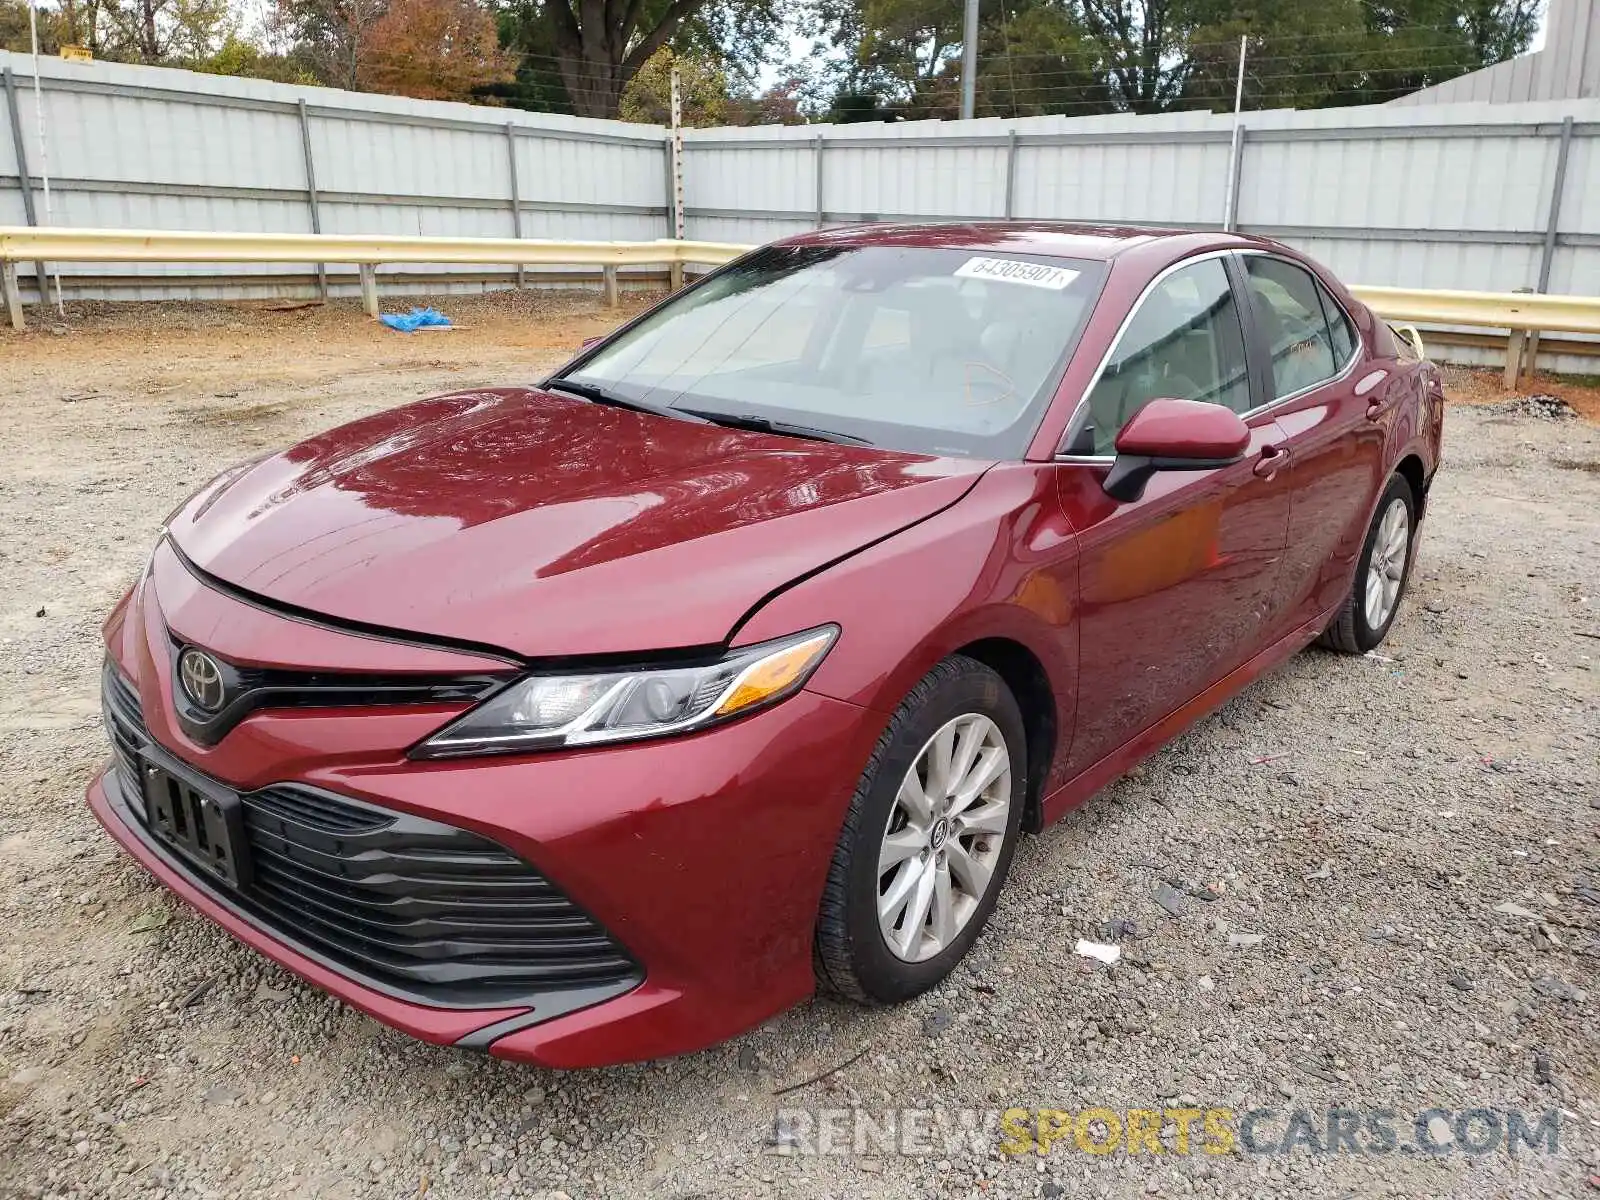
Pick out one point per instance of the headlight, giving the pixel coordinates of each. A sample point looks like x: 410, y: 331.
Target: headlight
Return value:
x: 546, y: 712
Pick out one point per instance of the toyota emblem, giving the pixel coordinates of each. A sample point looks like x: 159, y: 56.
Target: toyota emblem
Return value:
x: 201, y: 678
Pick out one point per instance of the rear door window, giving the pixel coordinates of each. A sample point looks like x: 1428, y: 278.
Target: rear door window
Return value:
x: 1289, y: 308
x: 1339, y: 327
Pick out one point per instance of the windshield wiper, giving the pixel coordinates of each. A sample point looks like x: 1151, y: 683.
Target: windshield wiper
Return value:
x: 783, y: 428
x: 600, y: 395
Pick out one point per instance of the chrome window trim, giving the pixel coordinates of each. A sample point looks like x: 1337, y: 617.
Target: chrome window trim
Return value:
x: 1355, y: 341
x: 1116, y: 340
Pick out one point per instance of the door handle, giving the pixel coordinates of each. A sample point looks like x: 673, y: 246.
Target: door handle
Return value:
x: 1376, y: 409
x: 1273, y: 459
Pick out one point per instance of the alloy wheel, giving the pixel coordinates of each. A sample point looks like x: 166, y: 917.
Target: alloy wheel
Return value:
x: 1386, y: 567
x: 944, y: 837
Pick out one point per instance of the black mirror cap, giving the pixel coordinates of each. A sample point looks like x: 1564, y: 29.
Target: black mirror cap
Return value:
x: 1129, y: 473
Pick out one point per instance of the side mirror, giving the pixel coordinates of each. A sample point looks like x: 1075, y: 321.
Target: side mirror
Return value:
x: 1168, y: 434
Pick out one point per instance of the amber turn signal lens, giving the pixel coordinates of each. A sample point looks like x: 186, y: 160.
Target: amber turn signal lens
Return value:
x: 776, y: 674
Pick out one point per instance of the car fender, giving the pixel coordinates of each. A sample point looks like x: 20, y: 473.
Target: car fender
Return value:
x: 999, y: 564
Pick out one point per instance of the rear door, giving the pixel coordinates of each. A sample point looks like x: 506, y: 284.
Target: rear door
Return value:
x: 1332, y: 415
x: 1178, y: 587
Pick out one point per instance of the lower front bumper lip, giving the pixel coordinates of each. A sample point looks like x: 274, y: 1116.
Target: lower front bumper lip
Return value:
x: 471, y: 1028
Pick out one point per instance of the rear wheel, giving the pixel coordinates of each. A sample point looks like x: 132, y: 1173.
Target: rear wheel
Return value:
x: 1382, y: 572
x: 928, y: 839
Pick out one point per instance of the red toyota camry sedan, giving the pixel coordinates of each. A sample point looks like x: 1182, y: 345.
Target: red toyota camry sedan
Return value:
x: 601, y: 719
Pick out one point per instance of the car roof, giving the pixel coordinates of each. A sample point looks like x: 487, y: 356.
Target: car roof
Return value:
x: 1063, y: 238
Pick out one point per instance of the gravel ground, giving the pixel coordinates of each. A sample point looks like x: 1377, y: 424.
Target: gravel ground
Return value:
x: 1369, y: 819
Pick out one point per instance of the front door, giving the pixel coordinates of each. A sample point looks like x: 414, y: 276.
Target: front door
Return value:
x: 1181, y: 586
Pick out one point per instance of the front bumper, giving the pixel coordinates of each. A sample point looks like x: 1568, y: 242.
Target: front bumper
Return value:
x: 703, y: 857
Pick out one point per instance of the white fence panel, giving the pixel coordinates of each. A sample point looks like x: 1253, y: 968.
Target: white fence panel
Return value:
x: 1445, y: 196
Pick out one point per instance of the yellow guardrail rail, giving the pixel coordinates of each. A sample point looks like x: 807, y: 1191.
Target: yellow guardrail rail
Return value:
x: 1527, y: 311
x: 1521, y: 313
x: 21, y: 244
x: 1525, y: 314
x: 140, y: 245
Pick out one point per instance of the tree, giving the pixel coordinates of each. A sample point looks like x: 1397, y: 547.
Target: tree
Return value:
x: 854, y: 106
x: 159, y: 31
x: 536, y: 85
x: 1036, y: 59
x: 596, y: 47
x: 330, y: 35
x: 241, y: 58
x: 891, y: 50
x: 1418, y: 43
x: 902, y: 58
x: 1143, y: 44
x: 702, y: 92
x: 433, y: 50
x: 781, y: 104
x: 1297, y: 55
x: 16, y: 36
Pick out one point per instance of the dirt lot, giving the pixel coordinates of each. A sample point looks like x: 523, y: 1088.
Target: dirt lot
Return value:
x: 1370, y: 819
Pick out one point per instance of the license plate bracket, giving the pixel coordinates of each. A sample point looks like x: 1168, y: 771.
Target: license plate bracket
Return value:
x: 205, y: 825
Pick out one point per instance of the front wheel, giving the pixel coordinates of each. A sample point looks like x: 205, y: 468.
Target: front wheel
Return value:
x: 928, y: 839
x: 1381, y: 574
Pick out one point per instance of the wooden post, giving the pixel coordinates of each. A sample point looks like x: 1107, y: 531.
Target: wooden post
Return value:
x: 369, y: 289
x: 1514, y: 357
x: 610, y: 275
x: 1517, y: 350
x: 8, y: 283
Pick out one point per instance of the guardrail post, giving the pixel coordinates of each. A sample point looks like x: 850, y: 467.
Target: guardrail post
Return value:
x: 369, y: 289
x: 516, y: 198
x: 8, y: 284
x: 1515, y: 349
x: 1514, y: 357
x: 610, y: 275
x: 311, y: 195
x: 26, y: 182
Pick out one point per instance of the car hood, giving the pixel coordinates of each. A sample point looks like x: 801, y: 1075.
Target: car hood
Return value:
x: 547, y: 526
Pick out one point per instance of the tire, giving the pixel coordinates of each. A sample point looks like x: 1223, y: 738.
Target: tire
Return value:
x: 1353, y: 631
x: 853, y: 952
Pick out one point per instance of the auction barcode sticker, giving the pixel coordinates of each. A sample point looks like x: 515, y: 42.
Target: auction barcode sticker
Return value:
x: 1012, y: 270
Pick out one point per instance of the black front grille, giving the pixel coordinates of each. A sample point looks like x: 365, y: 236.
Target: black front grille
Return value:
x: 312, y: 810
x: 439, y: 911
x: 124, y: 721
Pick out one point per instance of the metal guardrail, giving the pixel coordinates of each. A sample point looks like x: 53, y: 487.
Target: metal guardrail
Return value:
x: 18, y: 244
x: 1521, y: 313
x: 1525, y: 314
x: 1526, y: 311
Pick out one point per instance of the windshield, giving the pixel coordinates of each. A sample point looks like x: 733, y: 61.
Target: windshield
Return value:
x: 934, y: 351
